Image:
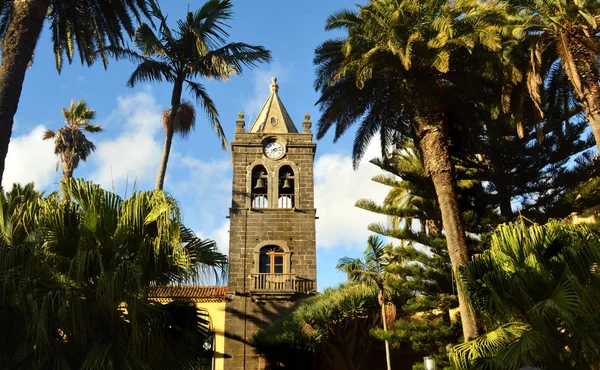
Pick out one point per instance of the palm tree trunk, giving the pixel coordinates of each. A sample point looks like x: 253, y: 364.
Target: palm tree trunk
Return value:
x: 387, y: 344
x: 431, y: 129
x: 67, y: 171
x: 591, y: 106
x: 434, y: 228
x: 586, y: 65
x: 26, y: 21
x: 175, y: 101
x: 67, y: 175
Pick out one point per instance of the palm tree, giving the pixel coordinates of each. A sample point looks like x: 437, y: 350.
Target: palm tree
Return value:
x: 78, y: 283
x: 196, y: 49
x: 564, y: 31
x: 15, y: 222
x: 536, y: 290
x: 393, y: 72
x: 14, y: 209
x: 371, y: 271
x: 85, y: 26
x: 70, y: 143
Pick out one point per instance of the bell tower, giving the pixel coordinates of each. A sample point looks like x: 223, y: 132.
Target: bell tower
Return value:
x: 272, y: 247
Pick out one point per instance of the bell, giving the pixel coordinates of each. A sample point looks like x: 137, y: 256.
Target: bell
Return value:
x: 260, y: 184
x: 286, y: 184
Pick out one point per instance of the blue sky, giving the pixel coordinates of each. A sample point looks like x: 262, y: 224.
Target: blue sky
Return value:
x: 199, y: 173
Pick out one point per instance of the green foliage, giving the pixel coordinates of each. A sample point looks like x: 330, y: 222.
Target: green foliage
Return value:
x: 328, y: 330
x: 559, y: 29
x: 401, y: 59
x: 575, y: 190
x: 15, y: 218
x: 419, y: 266
x: 84, y: 26
x: 585, y: 195
x: 427, y: 334
x: 76, y: 274
x: 536, y: 291
x: 368, y: 270
x: 425, y: 324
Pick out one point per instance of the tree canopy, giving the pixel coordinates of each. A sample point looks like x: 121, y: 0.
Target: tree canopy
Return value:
x: 76, y: 274
x: 327, y: 331
x: 536, y: 292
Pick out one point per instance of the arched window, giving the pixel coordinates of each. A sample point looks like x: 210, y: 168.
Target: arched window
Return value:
x: 260, y: 188
x: 271, y: 260
x: 286, y: 188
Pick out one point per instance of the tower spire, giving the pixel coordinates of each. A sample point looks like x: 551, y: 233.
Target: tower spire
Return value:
x: 273, y: 117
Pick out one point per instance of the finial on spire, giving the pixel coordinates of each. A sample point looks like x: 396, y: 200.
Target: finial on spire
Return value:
x: 274, y: 86
x: 306, y: 124
x: 240, y: 123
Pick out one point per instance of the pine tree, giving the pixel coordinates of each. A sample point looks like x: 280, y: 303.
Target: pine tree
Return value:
x: 420, y: 262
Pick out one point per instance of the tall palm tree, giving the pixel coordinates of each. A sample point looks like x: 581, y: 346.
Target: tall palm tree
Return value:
x: 537, y: 291
x: 370, y: 271
x: 85, y: 26
x: 70, y: 143
x: 393, y: 72
x: 78, y: 282
x: 565, y: 31
x: 195, y: 50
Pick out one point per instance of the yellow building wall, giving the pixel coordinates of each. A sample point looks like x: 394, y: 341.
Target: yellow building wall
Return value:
x: 216, y: 311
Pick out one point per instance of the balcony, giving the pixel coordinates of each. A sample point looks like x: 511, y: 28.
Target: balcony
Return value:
x: 280, y: 284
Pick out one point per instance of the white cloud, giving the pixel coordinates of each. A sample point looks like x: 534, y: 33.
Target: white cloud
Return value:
x: 133, y: 156
x: 30, y: 159
x: 337, y: 188
x: 221, y: 236
x: 207, y: 186
x: 261, y: 86
x: 201, y: 176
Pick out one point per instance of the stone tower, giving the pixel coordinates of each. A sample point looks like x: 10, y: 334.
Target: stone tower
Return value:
x: 272, y: 249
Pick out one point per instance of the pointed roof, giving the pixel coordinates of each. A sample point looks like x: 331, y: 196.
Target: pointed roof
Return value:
x: 273, y: 118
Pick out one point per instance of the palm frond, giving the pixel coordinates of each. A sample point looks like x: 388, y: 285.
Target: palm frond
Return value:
x: 149, y: 71
x: 87, y: 27
x: 146, y: 40
x: 48, y: 134
x: 206, y: 102
x: 229, y: 59
x: 537, y: 278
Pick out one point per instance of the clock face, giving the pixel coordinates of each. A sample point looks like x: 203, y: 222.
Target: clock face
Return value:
x: 273, y: 150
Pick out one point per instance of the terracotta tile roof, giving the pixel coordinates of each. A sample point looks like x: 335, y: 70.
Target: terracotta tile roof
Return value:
x: 189, y: 293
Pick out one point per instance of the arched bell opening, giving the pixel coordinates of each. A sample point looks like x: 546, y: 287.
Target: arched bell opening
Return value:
x: 286, y: 187
x: 259, y: 192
